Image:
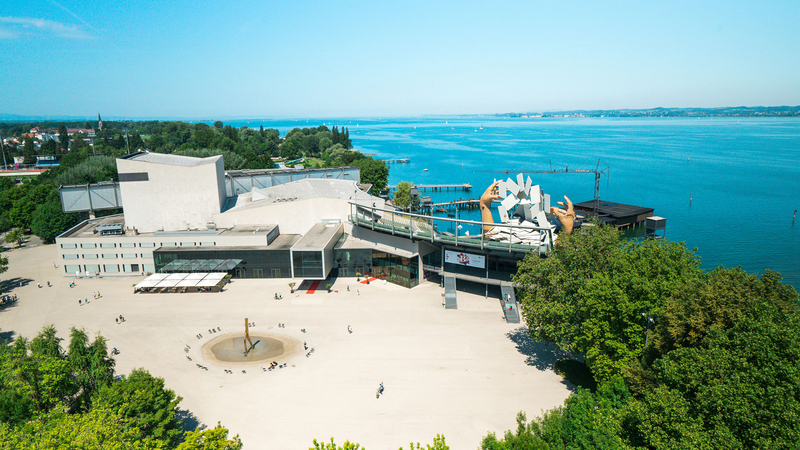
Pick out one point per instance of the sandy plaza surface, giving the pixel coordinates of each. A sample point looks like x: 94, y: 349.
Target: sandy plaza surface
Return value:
x: 461, y: 373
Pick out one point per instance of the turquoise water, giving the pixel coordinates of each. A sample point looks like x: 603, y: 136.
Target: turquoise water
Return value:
x: 743, y: 175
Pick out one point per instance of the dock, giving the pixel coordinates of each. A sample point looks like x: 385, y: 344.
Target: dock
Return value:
x: 439, y: 187
x: 396, y: 160
x: 470, y: 203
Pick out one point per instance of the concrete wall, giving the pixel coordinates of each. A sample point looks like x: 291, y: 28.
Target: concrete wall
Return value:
x: 174, y: 197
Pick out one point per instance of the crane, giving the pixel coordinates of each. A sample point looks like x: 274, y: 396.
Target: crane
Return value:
x: 598, y: 172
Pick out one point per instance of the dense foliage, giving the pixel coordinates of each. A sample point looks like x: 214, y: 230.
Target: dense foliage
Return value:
x: 51, y: 398
x: 684, y: 359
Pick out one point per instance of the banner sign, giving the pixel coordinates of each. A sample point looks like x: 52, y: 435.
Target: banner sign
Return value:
x: 465, y: 259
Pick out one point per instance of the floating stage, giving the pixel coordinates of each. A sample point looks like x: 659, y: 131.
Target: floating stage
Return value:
x: 621, y: 215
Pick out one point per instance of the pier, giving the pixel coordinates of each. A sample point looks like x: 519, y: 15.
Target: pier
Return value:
x: 470, y: 203
x: 438, y: 187
x: 396, y: 160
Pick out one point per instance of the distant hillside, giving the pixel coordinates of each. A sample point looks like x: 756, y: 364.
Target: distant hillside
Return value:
x: 735, y: 111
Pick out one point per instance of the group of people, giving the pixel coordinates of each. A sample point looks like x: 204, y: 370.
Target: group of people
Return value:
x: 278, y: 296
x: 120, y: 319
x: 8, y: 299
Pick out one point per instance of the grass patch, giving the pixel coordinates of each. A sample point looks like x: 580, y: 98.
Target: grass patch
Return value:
x: 576, y: 373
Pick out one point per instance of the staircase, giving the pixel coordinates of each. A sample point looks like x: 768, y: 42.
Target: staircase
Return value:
x: 509, y: 303
x: 450, y: 293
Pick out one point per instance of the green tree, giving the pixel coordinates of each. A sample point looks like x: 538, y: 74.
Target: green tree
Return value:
x: 218, y: 124
x: 48, y: 220
x: 373, y: 171
x: 332, y: 446
x: 596, y: 295
x: 402, y: 196
x: 212, y: 439
x: 718, y: 300
x: 145, y: 404
x: 91, y: 367
x: 740, y: 385
x: 63, y: 137
x: 100, y: 428
x: 13, y: 237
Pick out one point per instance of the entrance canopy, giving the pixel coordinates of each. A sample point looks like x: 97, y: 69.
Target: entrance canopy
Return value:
x: 161, y: 280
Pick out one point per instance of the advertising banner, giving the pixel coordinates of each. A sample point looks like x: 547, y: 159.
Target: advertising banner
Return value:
x: 465, y: 259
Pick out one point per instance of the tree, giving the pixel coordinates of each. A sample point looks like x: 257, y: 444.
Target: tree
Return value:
x: 145, y: 404
x: 213, y: 439
x: 98, y: 428
x: 717, y: 301
x: 13, y: 237
x: 402, y: 197
x: 332, y: 446
x: 49, y: 221
x: 739, y: 386
x: 90, y: 364
x: 63, y: 137
x: 373, y: 171
x: 218, y: 124
x: 595, y: 295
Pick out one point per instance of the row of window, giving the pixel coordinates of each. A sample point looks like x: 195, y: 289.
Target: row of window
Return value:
x: 106, y: 255
x: 142, y: 244
x: 92, y: 269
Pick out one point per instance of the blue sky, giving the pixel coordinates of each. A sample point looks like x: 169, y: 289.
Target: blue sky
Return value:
x: 212, y: 59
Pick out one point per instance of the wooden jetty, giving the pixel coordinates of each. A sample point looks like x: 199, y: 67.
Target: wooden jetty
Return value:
x: 470, y: 203
x: 396, y: 160
x: 438, y: 187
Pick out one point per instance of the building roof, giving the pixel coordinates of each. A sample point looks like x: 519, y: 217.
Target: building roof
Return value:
x: 172, y: 160
x: 305, y: 189
x: 319, y: 236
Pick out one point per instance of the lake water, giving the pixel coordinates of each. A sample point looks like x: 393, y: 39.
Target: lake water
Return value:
x: 742, y: 175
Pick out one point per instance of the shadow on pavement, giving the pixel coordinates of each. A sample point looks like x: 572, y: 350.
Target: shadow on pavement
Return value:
x: 189, y: 422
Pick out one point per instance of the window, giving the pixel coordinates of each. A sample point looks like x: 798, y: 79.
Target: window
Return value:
x: 88, y: 245
x: 128, y: 245
x: 70, y: 256
x: 85, y: 256
x: 147, y: 255
x: 147, y: 244
x: 149, y: 267
x: 110, y: 268
x: 69, y: 268
x: 207, y: 244
x: 69, y: 245
x: 128, y: 255
x: 109, y: 256
x: 187, y: 244
x: 108, y: 245
x: 91, y: 268
x: 130, y: 267
x: 169, y: 244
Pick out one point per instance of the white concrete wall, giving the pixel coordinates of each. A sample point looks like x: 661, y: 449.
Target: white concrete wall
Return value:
x: 175, y: 197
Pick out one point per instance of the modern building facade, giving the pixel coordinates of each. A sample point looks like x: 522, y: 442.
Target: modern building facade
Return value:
x: 178, y: 217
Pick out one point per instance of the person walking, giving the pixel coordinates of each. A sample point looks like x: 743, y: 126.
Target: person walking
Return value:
x: 116, y: 319
x: 79, y: 302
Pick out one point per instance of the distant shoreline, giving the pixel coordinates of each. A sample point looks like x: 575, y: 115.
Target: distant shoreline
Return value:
x: 738, y: 111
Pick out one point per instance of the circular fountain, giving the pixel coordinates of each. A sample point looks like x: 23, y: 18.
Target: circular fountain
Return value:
x: 231, y: 348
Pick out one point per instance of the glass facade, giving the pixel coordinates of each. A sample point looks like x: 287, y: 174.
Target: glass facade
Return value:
x: 251, y: 263
x: 351, y: 262
x: 396, y: 269
x: 307, y: 264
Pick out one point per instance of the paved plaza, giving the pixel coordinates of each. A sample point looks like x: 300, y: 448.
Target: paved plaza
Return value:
x: 461, y: 373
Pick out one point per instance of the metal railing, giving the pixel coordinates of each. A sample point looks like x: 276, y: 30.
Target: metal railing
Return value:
x: 423, y: 221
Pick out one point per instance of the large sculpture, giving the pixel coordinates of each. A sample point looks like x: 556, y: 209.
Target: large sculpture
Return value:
x: 523, y: 205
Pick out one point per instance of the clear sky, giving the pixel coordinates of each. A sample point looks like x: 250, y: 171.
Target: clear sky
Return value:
x: 222, y: 59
